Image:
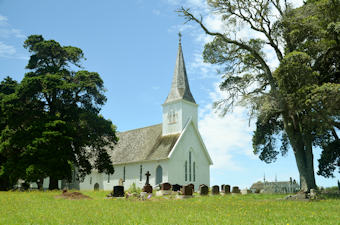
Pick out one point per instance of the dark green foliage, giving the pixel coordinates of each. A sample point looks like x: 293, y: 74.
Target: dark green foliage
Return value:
x: 330, y: 159
x: 50, y: 121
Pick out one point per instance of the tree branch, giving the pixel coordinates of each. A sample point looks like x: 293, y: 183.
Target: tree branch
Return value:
x: 241, y: 45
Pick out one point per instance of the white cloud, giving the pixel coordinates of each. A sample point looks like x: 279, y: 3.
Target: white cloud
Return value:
x: 6, y: 50
x: 156, y: 12
x: 226, y: 136
x: 3, y: 20
x: 204, y: 70
x: 6, y: 31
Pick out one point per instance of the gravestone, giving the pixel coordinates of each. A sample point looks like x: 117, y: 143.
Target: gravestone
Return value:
x: 165, y: 189
x: 187, y: 190
x: 165, y: 186
x: 215, y: 190
x: 192, y: 186
x: 204, y: 189
x: 118, y: 191
x: 245, y: 191
x: 176, y: 187
x: 223, y: 188
x: 147, y: 187
x: 235, y: 190
x: 227, y: 189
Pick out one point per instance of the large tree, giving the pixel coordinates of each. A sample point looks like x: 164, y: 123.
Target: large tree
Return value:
x: 52, y: 121
x: 298, y: 102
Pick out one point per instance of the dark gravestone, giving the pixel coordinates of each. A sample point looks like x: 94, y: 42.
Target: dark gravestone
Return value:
x: 186, y: 190
x: 192, y: 186
x: 147, y: 177
x: 223, y: 188
x: 147, y: 187
x: 118, y: 191
x: 215, y: 190
x: 176, y: 187
x: 227, y: 189
x: 235, y: 190
x: 165, y: 186
x: 204, y: 189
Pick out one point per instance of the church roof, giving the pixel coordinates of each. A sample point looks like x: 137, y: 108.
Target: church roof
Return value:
x: 180, y: 85
x: 143, y: 144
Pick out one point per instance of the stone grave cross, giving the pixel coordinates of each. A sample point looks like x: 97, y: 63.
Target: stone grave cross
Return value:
x: 147, y: 177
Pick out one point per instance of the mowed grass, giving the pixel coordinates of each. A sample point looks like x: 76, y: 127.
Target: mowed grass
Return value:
x: 43, y: 208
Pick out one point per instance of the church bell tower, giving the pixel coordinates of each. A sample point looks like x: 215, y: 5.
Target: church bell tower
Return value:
x: 180, y: 106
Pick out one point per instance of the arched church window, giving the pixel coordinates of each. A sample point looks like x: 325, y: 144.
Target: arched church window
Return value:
x: 189, y: 166
x: 194, y: 170
x: 90, y: 180
x: 186, y: 170
x: 140, y: 172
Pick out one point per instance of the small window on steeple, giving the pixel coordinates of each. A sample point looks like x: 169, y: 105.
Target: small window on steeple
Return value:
x: 172, y: 116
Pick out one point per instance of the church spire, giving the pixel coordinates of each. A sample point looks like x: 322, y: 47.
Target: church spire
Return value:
x: 180, y: 85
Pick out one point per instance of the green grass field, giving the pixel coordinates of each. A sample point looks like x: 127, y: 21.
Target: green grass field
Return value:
x: 43, y: 208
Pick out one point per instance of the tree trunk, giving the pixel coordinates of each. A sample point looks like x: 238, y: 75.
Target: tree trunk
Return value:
x: 53, y: 183
x: 40, y: 184
x: 302, y: 148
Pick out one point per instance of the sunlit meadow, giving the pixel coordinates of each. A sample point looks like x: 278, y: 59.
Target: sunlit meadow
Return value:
x: 44, y: 208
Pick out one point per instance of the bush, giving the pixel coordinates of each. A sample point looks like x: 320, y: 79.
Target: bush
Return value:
x: 134, y: 189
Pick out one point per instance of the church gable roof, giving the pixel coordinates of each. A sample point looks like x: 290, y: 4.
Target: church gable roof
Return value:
x: 180, y: 85
x: 197, y: 133
x: 143, y: 144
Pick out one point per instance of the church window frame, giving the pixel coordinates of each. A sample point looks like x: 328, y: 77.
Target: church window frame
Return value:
x: 194, y: 171
x: 90, y: 180
x: 124, y: 173
x: 108, y: 178
x: 172, y: 116
x: 186, y: 170
x: 189, y: 165
x: 140, y: 173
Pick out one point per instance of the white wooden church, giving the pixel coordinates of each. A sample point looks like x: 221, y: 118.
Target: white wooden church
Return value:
x: 172, y: 151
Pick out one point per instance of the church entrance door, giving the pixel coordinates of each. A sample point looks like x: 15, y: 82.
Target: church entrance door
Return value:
x: 96, y: 187
x: 159, y: 175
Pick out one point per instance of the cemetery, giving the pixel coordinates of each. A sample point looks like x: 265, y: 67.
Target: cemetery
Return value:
x: 35, y: 207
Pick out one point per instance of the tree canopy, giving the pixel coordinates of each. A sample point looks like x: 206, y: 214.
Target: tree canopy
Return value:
x: 50, y: 122
x: 297, y: 103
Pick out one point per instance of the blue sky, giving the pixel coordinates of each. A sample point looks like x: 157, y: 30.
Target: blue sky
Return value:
x: 133, y: 46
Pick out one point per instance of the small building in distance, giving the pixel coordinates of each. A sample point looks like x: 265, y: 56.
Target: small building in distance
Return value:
x: 270, y: 187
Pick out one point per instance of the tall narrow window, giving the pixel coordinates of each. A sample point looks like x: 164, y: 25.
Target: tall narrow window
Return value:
x: 194, y: 170
x: 140, y: 173
x: 186, y: 170
x: 189, y: 166
x: 108, y: 178
x: 90, y: 180
x: 124, y: 173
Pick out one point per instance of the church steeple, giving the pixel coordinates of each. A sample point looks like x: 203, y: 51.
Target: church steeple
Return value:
x: 179, y: 107
x: 180, y: 86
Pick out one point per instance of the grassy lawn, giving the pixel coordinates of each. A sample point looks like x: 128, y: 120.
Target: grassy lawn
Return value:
x: 43, y: 208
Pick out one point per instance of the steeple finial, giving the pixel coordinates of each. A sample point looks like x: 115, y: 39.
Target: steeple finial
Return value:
x: 180, y: 85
